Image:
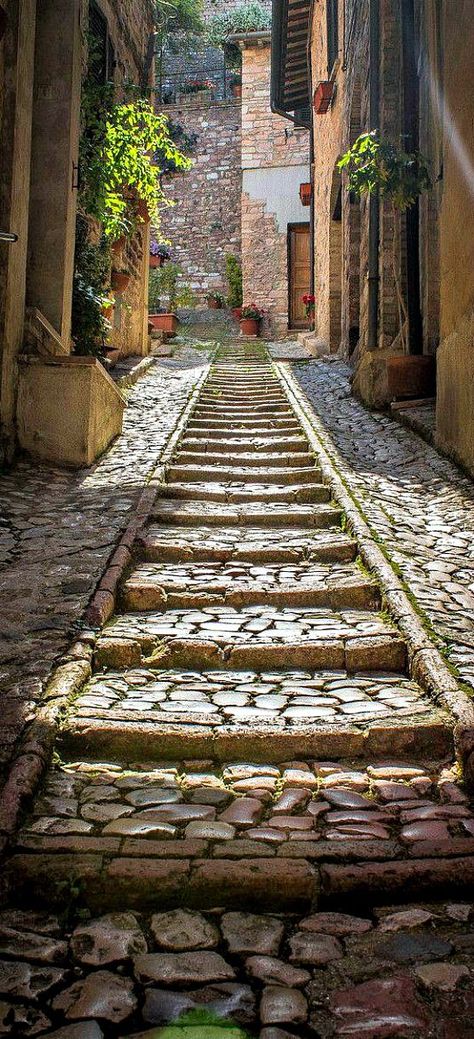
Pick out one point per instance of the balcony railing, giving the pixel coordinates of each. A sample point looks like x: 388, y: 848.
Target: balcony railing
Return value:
x: 215, y: 84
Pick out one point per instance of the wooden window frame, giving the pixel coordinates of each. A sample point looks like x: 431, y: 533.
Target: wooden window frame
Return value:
x: 332, y: 26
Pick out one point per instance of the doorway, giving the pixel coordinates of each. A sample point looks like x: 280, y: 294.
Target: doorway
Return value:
x: 299, y: 278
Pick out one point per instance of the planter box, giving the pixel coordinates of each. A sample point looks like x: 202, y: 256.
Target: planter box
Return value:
x: 120, y: 281
x: 69, y: 409
x: 164, y: 322
x: 411, y: 376
x: 322, y: 96
x: 249, y: 326
x: 305, y: 194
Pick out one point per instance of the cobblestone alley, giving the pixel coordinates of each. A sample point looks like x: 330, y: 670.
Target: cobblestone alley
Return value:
x: 238, y: 728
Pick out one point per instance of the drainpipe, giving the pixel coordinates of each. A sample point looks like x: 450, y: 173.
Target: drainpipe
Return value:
x: 374, y: 202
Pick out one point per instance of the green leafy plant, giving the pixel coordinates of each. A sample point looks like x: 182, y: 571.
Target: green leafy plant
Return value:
x: 377, y: 166
x: 124, y: 148
x: 250, y: 16
x: 163, y: 284
x: 90, y: 292
x: 233, y: 272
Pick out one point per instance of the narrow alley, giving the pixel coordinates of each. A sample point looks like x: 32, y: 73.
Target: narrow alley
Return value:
x: 256, y: 821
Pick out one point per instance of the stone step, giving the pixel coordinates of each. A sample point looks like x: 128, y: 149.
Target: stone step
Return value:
x: 250, y: 492
x: 242, y: 474
x: 142, y: 714
x: 255, y: 637
x: 246, y: 835
x: 256, y: 458
x: 243, y: 432
x: 253, y: 515
x: 215, y: 394
x: 254, y: 411
x: 164, y: 586
x: 241, y: 443
x: 203, y: 544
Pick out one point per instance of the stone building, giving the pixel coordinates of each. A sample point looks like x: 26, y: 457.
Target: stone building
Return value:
x: 54, y: 403
x: 402, y: 67
x: 242, y: 195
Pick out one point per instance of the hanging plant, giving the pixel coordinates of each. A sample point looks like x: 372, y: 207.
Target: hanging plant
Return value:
x: 124, y: 150
x: 376, y: 166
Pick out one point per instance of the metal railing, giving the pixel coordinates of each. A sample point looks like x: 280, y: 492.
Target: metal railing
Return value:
x: 213, y: 84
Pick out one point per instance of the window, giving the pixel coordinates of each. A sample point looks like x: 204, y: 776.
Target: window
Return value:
x: 101, y: 51
x: 332, y: 32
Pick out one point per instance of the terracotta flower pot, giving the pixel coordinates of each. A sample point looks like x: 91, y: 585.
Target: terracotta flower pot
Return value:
x: 236, y: 89
x: 117, y: 247
x: 156, y: 261
x: 120, y: 280
x: 412, y: 375
x: 249, y: 326
x: 107, y: 311
x: 305, y: 194
x: 214, y: 304
x: 164, y: 322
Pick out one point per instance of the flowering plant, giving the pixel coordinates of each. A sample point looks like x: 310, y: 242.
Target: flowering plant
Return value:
x: 158, y: 249
x: 309, y: 301
x: 252, y: 311
x: 216, y: 297
x: 196, y: 85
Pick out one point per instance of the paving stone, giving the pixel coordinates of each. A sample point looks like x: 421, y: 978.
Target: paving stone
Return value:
x: 182, y: 929
x: 340, y: 924
x: 408, y: 948
x: 314, y: 949
x: 101, y: 994
x: 249, y: 933
x: 26, y: 981
x: 111, y: 938
x: 281, y: 1005
x: 84, y: 1030
x: 276, y: 972
x: 385, y: 1007
x: 182, y: 967
x: 442, y: 976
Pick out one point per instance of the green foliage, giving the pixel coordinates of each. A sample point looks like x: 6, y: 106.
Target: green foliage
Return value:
x: 233, y: 272
x: 178, y: 16
x: 250, y: 16
x: 124, y: 147
x: 89, y: 292
x: 376, y: 165
x: 163, y: 290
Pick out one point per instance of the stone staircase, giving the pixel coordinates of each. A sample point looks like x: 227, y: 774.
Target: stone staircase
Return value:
x: 251, y: 735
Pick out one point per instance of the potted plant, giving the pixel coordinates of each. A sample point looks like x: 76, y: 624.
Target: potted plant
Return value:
x: 233, y: 272
x: 309, y: 305
x: 235, y: 84
x: 163, y: 283
x: 159, y: 253
x: 377, y: 166
x: 215, y: 300
x: 120, y: 280
x: 250, y: 320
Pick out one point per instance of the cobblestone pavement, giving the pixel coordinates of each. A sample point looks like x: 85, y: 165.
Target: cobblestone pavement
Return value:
x: 250, y: 779
x: 417, y: 503
x: 57, y: 529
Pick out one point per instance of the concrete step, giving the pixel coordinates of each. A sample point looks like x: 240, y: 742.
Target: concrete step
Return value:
x: 250, y: 492
x: 246, y: 836
x: 204, y: 544
x: 253, y: 515
x: 164, y: 586
x: 254, y: 637
x: 241, y: 474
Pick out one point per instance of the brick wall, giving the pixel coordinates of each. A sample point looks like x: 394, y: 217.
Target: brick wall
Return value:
x: 204, y: 225
x: 274, y: 162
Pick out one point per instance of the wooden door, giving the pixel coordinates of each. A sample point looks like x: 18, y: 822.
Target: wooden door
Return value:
x: 298, y: 274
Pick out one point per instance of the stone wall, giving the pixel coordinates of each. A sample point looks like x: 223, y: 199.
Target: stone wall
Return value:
x: 455, y: 358
x: 274, y: 164
x: 204, y: 225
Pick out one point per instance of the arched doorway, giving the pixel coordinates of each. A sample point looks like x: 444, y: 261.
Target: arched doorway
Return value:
x: 335, y: 262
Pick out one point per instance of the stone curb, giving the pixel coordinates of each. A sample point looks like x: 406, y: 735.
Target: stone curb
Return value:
x: 125, y: 382
x: 426, y: 663
x: 75, y: 666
